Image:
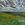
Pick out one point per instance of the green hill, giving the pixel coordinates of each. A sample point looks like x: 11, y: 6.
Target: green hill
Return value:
x: 10, y: 19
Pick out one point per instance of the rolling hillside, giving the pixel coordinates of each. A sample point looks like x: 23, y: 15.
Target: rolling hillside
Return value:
x: 10, y: 19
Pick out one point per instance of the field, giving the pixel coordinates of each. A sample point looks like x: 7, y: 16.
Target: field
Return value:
x: 10, y: 19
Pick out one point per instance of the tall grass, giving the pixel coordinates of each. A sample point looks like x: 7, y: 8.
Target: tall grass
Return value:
x: 9, y: 19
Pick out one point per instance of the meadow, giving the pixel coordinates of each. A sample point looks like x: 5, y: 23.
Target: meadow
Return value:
x: 10, y: 19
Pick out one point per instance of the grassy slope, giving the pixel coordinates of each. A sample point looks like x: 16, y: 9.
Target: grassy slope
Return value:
x: 6, y: 18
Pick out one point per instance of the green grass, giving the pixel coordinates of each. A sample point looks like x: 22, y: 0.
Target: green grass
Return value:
x: 9, y: 19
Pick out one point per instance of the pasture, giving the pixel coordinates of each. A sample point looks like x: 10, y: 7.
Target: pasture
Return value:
x: 10, y: 19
